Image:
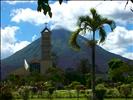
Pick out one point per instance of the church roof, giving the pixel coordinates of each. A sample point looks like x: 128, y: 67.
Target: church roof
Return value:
x: 45, y: 30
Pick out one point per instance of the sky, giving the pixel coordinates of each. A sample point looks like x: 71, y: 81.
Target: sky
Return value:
x: 21, y: 24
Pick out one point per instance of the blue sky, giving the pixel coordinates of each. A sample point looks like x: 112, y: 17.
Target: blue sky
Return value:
x: 21, y: 23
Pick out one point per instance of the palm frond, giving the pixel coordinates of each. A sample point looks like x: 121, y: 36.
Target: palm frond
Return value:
x: 89, y: 21
x: 84, y: 22
x: 81, y: 20
x: 102, y: 34
x: 111, y: 23
x: 93, y: 12
x: 73, y: 39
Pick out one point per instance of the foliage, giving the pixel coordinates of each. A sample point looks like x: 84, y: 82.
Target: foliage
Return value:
x: 112, y: 93
x: 44, y: 5
x: 14, y: 80
x: 24, y: 92
x: 99, y: 80
x: 100, y: 91
x: 86, y: 24
x: 34, y: 77
x: 55, y: 74
x: 51, y: 90
x: 118, y: 70
x: 74, y: 75
x: 6, y: 93
x: 84, y: 66
x: 74, y: 84
x: 88, y: 80
x: 125, y: 90
x: 129, y: 79
x: 91, y: 23
x: 127, y: 3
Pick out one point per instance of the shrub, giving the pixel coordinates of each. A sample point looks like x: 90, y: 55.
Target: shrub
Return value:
x: 82, y: 91
x: 112, y: 93
x: 100, y: 91
x: 99, y: 80
x: 24, y: 92
x: 131, y: 93
x: 6, y: 93
x: 129, y: 79
x: 125, y: 90
x: 51, y: 90
x: 74, y: 84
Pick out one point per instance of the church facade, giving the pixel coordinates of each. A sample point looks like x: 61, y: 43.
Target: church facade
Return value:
x: 45, y: 62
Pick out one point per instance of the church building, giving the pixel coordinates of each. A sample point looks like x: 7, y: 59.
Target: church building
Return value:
x: 45, y: 62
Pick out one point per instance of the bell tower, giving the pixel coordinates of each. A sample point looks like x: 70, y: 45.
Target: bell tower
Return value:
x: 46, y: 61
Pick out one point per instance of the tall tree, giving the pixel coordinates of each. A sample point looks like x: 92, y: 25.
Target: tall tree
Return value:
x: 118, y: 70
x: 91, y: 23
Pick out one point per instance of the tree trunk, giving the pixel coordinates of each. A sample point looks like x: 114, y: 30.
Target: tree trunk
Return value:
x: 93, y: 69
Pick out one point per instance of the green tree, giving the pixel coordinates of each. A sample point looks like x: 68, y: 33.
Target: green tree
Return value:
x: 91, y: 23
x: 73, y: 75
x: 55, y: 74
x: 84, y: 66
x: 118, y: 70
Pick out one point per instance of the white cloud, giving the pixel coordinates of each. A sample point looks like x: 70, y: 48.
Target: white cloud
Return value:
x: 27, y: 15
x: 34, y: 37
x: 9, y: 43
x: 19, y: 45
x: 66, y: 15
x: 13, y: 2
x: 118, y: 42
x: 128, y: 55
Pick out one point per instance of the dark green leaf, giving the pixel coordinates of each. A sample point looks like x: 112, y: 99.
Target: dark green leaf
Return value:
x: 73, y: 39
x: 50, y: 14
x: 60, y: 1
x: 45, y: 12
x: 39, y: 8
x: 102, y: 34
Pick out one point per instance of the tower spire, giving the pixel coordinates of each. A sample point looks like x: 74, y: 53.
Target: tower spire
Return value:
x: 46, y: 24
x: 45, y: 28
x: 46, y: 61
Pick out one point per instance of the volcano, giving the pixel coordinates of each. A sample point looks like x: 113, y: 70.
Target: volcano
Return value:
x: 66, y: 56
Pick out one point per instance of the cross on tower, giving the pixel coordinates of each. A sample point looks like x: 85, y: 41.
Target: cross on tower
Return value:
x: 46, y: 25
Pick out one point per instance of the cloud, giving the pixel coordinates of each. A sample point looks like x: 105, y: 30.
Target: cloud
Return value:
x: 115, y: 10
x: 9, y: 43
x: 66, y: 15
x: 128, y: 55
x: 11, y: 2
x: 34, y: 37
x: 118, y: 42
x: 27, y: 15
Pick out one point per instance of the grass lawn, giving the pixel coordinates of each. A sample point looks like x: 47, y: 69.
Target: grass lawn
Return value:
x: 82, y: 99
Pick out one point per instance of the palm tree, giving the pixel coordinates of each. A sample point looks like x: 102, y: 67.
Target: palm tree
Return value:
x: 92, y: 23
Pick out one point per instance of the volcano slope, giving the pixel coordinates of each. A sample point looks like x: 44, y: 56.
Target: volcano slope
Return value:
x: 66, y: 57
